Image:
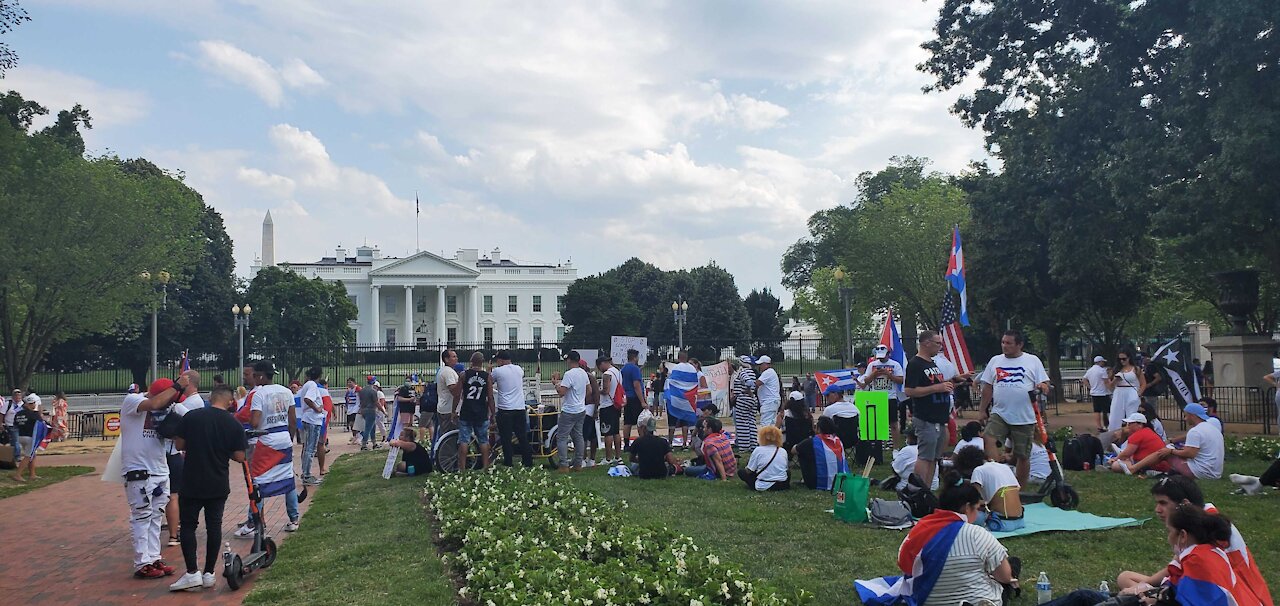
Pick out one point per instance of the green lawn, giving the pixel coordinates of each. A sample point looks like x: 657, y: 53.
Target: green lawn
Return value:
x: 364, y: 540
x: 48, y: 475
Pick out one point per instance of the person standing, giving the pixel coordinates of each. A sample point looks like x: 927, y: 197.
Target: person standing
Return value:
x: 745, y: 406
x: 573, y: 409
x: 448, y: 388
x: 1126, y: 382
x: 591, y: 433
x: 369, y: 404
x: 769, y: 392
x: 25, y: 422
x: 476, y: 412
x: 930, y: 394
x: 613, y: 398
x: 656, y: 388
x: 1007, y: 381
x: 352, y: 400
x: 59, y: 417
x: 633, y: 389
x: 512, y: 414
x: 1095, y: 380
x: 886, y: 374
x: 10, y: 410
x: 272, y: 463
x: 188, y: 384
x: 146, y: 474
x: 323, y: 450
x: 1156, y: 385
x: 312, y: 422
x: 811, y: 392
x: 211, y: 437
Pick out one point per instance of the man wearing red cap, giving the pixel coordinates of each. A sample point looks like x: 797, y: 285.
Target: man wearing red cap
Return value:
x: 146, y: 474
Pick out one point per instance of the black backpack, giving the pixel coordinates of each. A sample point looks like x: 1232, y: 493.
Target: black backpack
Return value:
x: 1092, y: 447
x: 917, y: 497
x: 1074, y: 454
x: 430, y: 399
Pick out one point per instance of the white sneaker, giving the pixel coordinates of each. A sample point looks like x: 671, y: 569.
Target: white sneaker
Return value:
x: 244, y: 532
x: 1116, y: 449
x: 209, y: 580
x: 1125, y: 467
x: 1249, y: 484
x: 190, y: 580
x: 291, y: 527
x: 588, y: 463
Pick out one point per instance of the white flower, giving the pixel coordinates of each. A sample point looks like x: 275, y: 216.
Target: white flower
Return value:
x: 693, y: 602
x: 601, y: 593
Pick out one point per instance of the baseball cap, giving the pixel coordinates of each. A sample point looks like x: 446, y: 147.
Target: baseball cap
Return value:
x: 764, y: 360
x: 160, y: 385
x: 881, y: 351
x: 1136, y: 417
x: 796, y: 395
x: 31, y: 398
x: 372, y: 380
x: 1097, y: 359
x: 133, y: 388
x: 1197, y: 410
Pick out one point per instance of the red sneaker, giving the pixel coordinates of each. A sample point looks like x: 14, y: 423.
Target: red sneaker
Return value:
x: 148, y: 571
x: 164, y: 569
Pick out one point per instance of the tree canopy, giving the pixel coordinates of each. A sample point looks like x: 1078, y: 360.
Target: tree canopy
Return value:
x: 292, y: 314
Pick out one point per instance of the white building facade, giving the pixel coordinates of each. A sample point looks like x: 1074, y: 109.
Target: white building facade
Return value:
x: 428, y: 300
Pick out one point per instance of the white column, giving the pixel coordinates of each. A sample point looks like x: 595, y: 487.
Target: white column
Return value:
x: 407, y: 334
x: 373, y: 316
x: 441, y: 335
x: 473, y: 312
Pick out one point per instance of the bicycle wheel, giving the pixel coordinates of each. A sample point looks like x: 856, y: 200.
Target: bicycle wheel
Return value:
x: 446, y: 454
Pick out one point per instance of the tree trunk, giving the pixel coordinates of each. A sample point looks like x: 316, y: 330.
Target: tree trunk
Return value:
x: 1052, y: 335
x: 909, y: 334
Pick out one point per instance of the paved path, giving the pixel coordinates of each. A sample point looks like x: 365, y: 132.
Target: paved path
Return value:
x: 69, y: 543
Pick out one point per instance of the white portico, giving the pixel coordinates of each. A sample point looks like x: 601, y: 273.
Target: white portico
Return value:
x: 438, y: 302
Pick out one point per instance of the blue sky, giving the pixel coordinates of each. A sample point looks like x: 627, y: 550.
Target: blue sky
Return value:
x: 677, y: 132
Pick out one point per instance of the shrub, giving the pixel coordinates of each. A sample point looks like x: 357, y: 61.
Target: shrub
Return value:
x: 1253, y: 447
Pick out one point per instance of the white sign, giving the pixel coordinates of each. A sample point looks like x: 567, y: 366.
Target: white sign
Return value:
x: 390, y: 465
x: 618, y: 347
x: 589, y: 356
x: 718, y: 381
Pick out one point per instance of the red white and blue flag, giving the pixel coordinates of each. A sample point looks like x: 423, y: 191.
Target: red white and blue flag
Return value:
x: 682, y: 392
x: 920, y: 558
x: 185, y: 365
x: 828, y: 459
x: 1202, y: 576
x: 38, y: 435
x: 953, y: 343
x: 955, y: 274
x: 889, y: 338
x: 836, y: 381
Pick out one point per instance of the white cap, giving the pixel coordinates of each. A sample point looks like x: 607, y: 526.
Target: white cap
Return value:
x: 1097, y: 359
x: 1136, y: 417
x: 797, y: 395
x: 881, y: 351
x: 31, y: 398
x: 764, y: 360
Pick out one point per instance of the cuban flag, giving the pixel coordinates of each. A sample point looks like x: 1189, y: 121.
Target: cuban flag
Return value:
x: 828, y: 458
x: 1202, y: 576
x: 38, y: 435
x: 272, y: 469
x: 185, y: 365
x: 921, y: 558
x: 328, y: 412
x: 955, y: 274
x: 682, y: 392
x: 889, y: 338
x: 836, y: 381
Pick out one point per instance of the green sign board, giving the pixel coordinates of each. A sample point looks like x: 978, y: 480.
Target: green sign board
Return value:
x: 873, y: 414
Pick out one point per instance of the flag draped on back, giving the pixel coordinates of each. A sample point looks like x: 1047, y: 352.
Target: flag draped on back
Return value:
x: 828, y: 457
x: 953, y: 344
x: 1175, y: 363
x: 836, y: 381
x: 923, y: 554
x: 1202, y: 576
x: 955, y: 275
x: 38, y: 434
x: 682, y: 392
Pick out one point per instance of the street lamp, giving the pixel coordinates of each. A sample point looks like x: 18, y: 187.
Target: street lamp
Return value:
x: 846, y: 295
x: 241, y: 317
x: 680, y: 312
x: 161, y: 278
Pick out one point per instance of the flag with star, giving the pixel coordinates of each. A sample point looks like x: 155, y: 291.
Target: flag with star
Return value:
x: 1174, y: 361
x: 953, y: 344
x: 836, y: 380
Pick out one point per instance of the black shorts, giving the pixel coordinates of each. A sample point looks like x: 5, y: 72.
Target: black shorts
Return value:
x: 589, y: 431
x: 631, y: 415
x: 176, y: 463
x: 609, y: 418
x: 407, y: 408
x: 898, y: 414
x: 1101, y: 403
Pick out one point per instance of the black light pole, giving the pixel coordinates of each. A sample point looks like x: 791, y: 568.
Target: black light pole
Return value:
x: 680, y: 312
x: 241, y: 317
x: 846, y: 294
x: 162, y: 279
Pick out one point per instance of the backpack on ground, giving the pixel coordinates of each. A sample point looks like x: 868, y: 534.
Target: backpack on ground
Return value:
x: 889, y: 514
x: 1079, y: 450
x: 1092, y: 447
x: 917, y: 497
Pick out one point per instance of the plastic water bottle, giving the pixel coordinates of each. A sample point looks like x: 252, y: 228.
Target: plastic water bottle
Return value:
x: 1103, y: 587
x: 1044, y: 591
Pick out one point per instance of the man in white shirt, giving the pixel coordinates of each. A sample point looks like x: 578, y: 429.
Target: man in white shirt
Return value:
x: 613, y: 397
x: 1008, y: 380
x: 769, y: 392
x: 887, y: 375
x: 573, y: 410
x: 146, y: 474
x: 1201, y: 454
x: 513, y: 416
x: 1095, y: 380
x: 312, y: 422
x: 448, y: 388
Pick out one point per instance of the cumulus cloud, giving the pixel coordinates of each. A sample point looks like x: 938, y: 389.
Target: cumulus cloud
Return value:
x: 225, y: 60
x: 58, y: 90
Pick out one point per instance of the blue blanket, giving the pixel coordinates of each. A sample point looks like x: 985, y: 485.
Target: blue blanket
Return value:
x: 1043, y: 518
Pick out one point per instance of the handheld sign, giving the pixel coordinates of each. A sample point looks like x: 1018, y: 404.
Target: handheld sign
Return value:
x: 390, y: 465
x: 873, y: 414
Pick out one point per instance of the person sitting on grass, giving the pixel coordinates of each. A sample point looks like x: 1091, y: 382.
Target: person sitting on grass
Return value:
x: 1153, y: 418
x: 1140, y: 442
x: 999, y: 488
x: 767, y: 467
x: 1171, y: 492
x: 970, y: 435
x: 700, y: 432
x: 415, y: 460
x: 797, y: 421
x: 651, y: 457
x: 821, y: 457
x: 1201, y: 454
x: 717, y: 453
x: 844, y: 414
x: 1254, y: 485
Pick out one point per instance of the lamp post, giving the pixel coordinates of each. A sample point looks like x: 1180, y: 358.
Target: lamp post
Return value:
x: 680, y: 312
x: 161, y: 278
x: 241, y: 317
x: 846, y: 294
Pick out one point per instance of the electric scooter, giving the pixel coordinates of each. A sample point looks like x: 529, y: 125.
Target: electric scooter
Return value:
x: 1060, y: 494
x: 263, y: 552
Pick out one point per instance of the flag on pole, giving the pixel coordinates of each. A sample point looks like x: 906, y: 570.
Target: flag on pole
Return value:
x: 955, y: 275
x: 39, y: 434
x: 1174, y: 361
x: 185, y: 365
x: 836, y: 381
x: 889, y: 338
x: 417, y: 204
x: 953, y: 345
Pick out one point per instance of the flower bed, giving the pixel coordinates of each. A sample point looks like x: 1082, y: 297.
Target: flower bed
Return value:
x: 1254, y: 447
x: 519, y: 537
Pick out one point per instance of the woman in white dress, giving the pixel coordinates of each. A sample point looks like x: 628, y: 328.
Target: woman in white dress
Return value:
x: 1126, y: 382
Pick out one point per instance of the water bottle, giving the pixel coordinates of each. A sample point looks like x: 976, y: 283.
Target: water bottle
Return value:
x: 1044, y: 591
x: 1103, y: 587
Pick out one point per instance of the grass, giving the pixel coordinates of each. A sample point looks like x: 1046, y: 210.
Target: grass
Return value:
x: 790, y: 540
x: 365, y: 540
x: 48, y: 475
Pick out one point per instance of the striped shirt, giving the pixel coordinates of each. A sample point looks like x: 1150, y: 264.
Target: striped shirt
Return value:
x: 966, y: 576
x: 744, y: 392
x: 717, y: 445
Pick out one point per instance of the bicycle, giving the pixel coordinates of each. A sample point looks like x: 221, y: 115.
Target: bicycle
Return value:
x: 444, y: 448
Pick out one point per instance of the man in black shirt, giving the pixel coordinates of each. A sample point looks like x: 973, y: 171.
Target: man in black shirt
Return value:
x: 211, y: 437
x: 25, y: 422
x: 930, y: 403
x: 651, y: 456
x: 478, y: 410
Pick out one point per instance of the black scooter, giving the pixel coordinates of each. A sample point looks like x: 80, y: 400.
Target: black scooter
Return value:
x: 263, y: 553
x: 1060, y: 494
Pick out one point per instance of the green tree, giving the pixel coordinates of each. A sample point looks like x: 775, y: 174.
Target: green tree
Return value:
x: 716, y: 318
x: 767, y: 320
x: 80, y: 232
x: 292, y: 315
x: 11, y: 16
x: 596, y: 308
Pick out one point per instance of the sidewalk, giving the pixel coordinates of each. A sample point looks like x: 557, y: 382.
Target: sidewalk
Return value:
x: 69, y: 543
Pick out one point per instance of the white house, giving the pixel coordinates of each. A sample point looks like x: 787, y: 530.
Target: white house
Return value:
x: 427, y: 299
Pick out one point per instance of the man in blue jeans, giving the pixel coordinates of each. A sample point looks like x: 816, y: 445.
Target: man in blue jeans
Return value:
x: 313, y: 416
x: 369, y: 397
x: 477, y: 411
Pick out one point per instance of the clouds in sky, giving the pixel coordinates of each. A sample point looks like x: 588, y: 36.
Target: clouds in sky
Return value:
x: 677, y: 132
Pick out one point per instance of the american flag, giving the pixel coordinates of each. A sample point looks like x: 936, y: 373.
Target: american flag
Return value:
x: 953, y: 345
